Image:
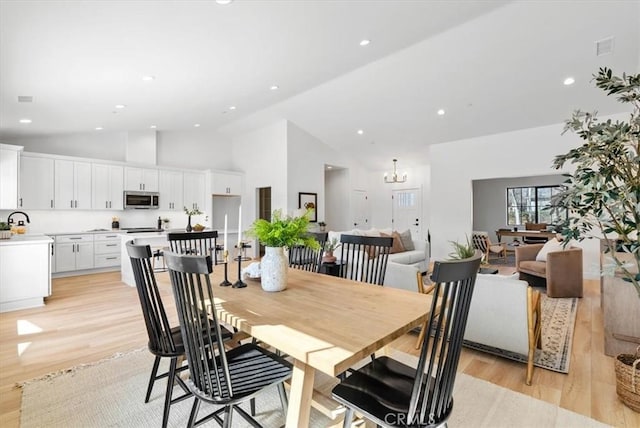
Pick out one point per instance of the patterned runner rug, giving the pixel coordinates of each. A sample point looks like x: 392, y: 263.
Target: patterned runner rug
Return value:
x: 558, y: 322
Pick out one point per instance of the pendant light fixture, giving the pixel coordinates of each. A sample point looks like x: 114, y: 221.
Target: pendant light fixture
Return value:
x: 395, y: 178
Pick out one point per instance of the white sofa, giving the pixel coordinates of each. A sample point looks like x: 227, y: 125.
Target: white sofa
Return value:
x: 505, y: 315
x: 401, y: 267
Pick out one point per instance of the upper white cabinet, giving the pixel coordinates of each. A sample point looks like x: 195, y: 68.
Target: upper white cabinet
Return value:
x: 142, y: 179
x: 107, y: 187
x: 194, y: 193
x: 171, y: 196
x: 72, y: 185
x: 9, y: 158
x: 226, y: 183
x: 36, y: 183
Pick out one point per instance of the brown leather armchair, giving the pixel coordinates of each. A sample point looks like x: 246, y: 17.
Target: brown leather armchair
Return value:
x: 562, y: 271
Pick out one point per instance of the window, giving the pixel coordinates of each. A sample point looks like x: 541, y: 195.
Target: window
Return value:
x: 529, y: 205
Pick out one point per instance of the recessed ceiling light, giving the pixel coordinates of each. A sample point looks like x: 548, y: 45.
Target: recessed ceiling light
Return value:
x: 365, y: 42
x: 223, y: 2
x: 360, y: 132
x: 196, y: 125
x: 153, y: 127
x: 148, y: 78
x: 441, y: 112
x: 25, y: 120
x: 569, y: 81
x: 99, y: 128
x: 274, y: 87
x: 232, y: 108
x: 120, y: 106
x: 329, y: 167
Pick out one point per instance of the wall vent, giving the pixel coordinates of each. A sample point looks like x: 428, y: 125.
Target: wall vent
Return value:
x: 25, y: 99
x: 604, y: 46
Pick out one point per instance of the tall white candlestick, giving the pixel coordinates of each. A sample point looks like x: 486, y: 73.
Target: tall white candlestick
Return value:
x: 225, y: 233
x: 240, y: 227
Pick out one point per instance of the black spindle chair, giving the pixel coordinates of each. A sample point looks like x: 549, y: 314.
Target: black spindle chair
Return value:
x: 196, y: 243
x: 392, y: 394
x: 305, y: 258
x: 218, y: 376
x: 364, y: 258
x: 165, y: 341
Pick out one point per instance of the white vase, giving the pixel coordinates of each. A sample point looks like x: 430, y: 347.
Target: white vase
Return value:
x: 273, y: 269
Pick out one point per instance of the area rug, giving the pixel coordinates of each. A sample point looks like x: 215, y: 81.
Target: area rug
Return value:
x: 558, y: 322
x: 110, y: 393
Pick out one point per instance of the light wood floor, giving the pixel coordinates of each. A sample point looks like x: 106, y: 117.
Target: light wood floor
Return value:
x: 94, y: 316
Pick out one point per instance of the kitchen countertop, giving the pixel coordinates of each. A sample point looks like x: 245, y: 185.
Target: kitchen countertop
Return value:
x: 88, y: 232
x: 26, y: 240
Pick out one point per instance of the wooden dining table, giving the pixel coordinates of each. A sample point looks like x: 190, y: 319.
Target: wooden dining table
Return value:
x: 324, y: 323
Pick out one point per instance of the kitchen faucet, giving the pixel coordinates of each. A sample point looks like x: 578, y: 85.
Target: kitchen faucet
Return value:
x: 10, y: 220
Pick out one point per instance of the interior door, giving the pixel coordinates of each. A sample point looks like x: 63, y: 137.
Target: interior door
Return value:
x: 407, y: 211
x: 360, y: 209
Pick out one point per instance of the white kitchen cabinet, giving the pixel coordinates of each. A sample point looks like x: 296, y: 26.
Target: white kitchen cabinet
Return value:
x: 171, y: 190
x: 226, y: 183
x: 107, y: 187
x: 141, y: 179
x: 72, y: 185
x: 25, y: 272
x: 36, y: 182
x: 194, y: 194
x: 106, y: 249
x: 9, y: 158
x: 74, y: 252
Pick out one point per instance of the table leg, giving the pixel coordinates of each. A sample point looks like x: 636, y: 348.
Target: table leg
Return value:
x: 300, y: 395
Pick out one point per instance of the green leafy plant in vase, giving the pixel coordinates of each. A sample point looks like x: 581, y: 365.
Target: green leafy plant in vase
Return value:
x: 276, y: 235
x: 329, y: 247
x: 5, y: 230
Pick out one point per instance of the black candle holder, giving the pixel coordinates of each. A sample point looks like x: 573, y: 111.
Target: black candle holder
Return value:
x: 239, y: 283
x: 226, y: 281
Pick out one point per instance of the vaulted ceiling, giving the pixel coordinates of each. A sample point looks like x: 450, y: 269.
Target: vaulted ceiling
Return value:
x: 492, y: 66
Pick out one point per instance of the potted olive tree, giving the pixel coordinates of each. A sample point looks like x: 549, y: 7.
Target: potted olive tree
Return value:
x: 603, y: 195
x: 276, y: 235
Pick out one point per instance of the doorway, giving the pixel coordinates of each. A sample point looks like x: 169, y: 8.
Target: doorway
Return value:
x: 264, y: 210
x: 407, y: 211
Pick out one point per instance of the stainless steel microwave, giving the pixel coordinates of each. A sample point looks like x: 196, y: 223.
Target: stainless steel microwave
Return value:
x: 141, y: 200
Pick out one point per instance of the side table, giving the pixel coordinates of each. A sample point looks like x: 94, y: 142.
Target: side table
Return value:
x: 332, y: 268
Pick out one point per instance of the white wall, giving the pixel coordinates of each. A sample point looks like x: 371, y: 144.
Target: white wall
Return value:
x: 526, y: 152
x: 262, y: 154
x: 97, y: 145
x: 196, y: 149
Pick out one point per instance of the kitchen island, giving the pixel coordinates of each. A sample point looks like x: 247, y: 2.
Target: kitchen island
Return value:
x: 154, y: 239
x: 25, y: 271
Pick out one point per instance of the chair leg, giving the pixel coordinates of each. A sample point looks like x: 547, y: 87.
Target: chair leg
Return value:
x: 152, y: 379
x: 252, y: 406
x: 348, y: 418
x: 283, y: 398
x: 228, y: 411
x: 421, y: 335
x: 194, y: 413
x: 170, y: 382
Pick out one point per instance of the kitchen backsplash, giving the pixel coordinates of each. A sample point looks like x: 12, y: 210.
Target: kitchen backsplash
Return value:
x: 63, y: 221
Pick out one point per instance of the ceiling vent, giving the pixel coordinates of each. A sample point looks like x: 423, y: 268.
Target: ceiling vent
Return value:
x: 604, y: 46
x: 25, y: 99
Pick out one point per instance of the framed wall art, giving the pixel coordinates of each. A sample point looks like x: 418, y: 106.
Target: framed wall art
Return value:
x: 309, y: 201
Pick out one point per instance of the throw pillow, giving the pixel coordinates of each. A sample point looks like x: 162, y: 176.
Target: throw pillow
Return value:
x: 407, y: 243
x: 549, y: 246
x: 397, y: 246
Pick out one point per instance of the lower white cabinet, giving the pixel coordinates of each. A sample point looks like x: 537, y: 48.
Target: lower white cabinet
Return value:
x: 106, y: 250
x: 74, y: 252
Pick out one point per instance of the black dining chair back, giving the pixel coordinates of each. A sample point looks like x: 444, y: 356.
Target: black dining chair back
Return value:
x: 196, y: 243
x: 305, y: 258
x: 391, y: 393
x: 218, y: 376
x: 164, y: 340
x: 364, y: 258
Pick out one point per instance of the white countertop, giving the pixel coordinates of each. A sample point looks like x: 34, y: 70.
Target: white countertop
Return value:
x: 26, y: 240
